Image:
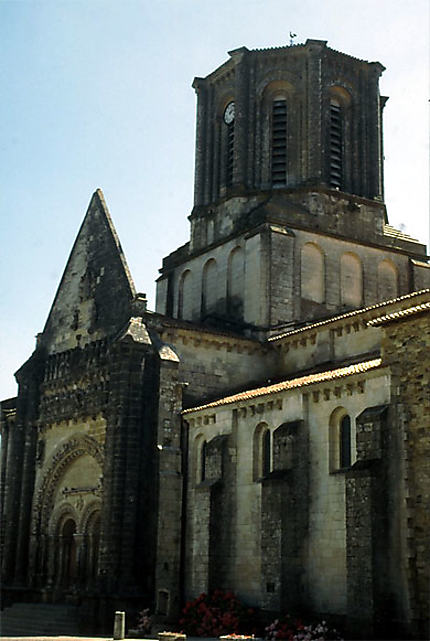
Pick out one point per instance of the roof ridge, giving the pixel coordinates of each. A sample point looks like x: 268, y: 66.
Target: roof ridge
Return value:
x: 401, y: 313
x: 389, y: 230
x: 352, y: 313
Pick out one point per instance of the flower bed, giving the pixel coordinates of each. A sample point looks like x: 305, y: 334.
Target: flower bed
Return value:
x: 286, y: 628
x: 216, y: 614
x: 239, y: 637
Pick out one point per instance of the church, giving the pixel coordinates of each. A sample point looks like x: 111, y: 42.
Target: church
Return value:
x: 264, y: 430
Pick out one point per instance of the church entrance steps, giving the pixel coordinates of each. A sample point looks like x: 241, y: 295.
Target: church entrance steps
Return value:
x: 39, y: 619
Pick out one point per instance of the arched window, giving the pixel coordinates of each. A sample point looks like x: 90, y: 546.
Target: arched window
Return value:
x: 199, y: 459
x: 341, y: 445
x: 262, y: 451
x: 338, y: 138
x: 279, y: 142
x: 351, y: 280
x: 312, y: 273
x: 345, y: 442
x: 235, y: 283
x: 184, y: 296
x: 267, y: 453
x: 209, y: 286
x: 388, y: 280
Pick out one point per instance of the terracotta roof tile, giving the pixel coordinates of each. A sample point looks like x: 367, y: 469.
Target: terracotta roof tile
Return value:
x: 302, y: 381
x: 355, y: 312
x: 402, y: 313
x: 396, y: 233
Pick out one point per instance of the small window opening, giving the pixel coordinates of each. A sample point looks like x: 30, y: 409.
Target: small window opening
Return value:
x: 267, y: 453
x: 279, y: 143
x: 345, y: 442
x: 336, y: 144
x: 203, y: 462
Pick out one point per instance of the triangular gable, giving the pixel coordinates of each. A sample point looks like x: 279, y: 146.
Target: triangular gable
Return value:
x: 94, y: 295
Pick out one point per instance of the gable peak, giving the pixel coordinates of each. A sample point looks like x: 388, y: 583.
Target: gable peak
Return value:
x: 95, y: 294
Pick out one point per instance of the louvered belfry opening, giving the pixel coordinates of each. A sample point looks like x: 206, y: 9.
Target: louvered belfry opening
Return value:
x: 336, y: 144
x: 279, y: 143
x: 230, y: 154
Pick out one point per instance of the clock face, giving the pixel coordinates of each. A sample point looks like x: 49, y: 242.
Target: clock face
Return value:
x: 229, y: 113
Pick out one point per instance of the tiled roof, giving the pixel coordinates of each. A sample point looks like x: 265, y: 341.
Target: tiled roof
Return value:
x: 304, y: 44
x: 302, y: 381
x: 402, y: 313
x: 396, y: 233
x: 355, y: 312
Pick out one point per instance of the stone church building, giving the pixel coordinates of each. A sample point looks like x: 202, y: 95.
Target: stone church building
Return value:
x: 266, y: 429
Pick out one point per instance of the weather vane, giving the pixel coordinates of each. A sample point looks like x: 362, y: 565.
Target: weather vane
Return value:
x: 292, y: 36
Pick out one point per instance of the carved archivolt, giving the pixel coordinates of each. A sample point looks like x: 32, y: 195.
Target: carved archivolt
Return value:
x: 76, y: 446
x: 59, y: 516
x: 87, y: 518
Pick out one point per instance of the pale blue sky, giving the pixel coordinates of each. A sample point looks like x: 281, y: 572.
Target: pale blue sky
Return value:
x: 97, y: 93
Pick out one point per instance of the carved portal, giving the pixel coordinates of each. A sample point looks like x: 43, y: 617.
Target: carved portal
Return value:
x: 66, y: 518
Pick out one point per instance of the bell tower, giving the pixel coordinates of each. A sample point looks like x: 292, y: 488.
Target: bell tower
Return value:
x: 288, y: 215
x: 297, y: 116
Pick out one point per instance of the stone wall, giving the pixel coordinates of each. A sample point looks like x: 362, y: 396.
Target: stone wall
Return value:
x: 288, y: 529
x: 406, y: 348
x: 273, y: 259
x: 212, y: 364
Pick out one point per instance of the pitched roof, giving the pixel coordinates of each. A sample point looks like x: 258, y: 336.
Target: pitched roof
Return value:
x: 402, y: 313
x: 302, y: 381
x: 351, y: 314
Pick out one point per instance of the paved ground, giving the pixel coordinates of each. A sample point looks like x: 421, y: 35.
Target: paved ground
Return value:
x: 61, y: 638
x: 84, y: 638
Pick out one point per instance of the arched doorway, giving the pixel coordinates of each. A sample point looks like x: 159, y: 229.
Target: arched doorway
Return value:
x: 69, y: 564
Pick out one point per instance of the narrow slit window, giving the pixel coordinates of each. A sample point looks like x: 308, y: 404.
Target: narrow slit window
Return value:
x: 203, y: 462
x: 230, y: 154
x: 279, y: 143
x: 345, y: 442
x: 336, y: 145
x: 267, y: 453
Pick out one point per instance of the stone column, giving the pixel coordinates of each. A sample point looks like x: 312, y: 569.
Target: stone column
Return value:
x: 4, y: 449
x: 241, y: 117
x: 81, y: 558
x: 59, y: 554
x: 199, y: 178
x: 374, y: 132
x: 366, y: 525
x: 122, y: 464
x: 200, y: 553
x: 51, y: 555
x: 314, y: 139
x: 12, y: 490
x: 20, y: 472
x: 23, y: 530
x: 272, y: 492
x: 37, y: 543
x: 169, y: 469
x: 209, y: 147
